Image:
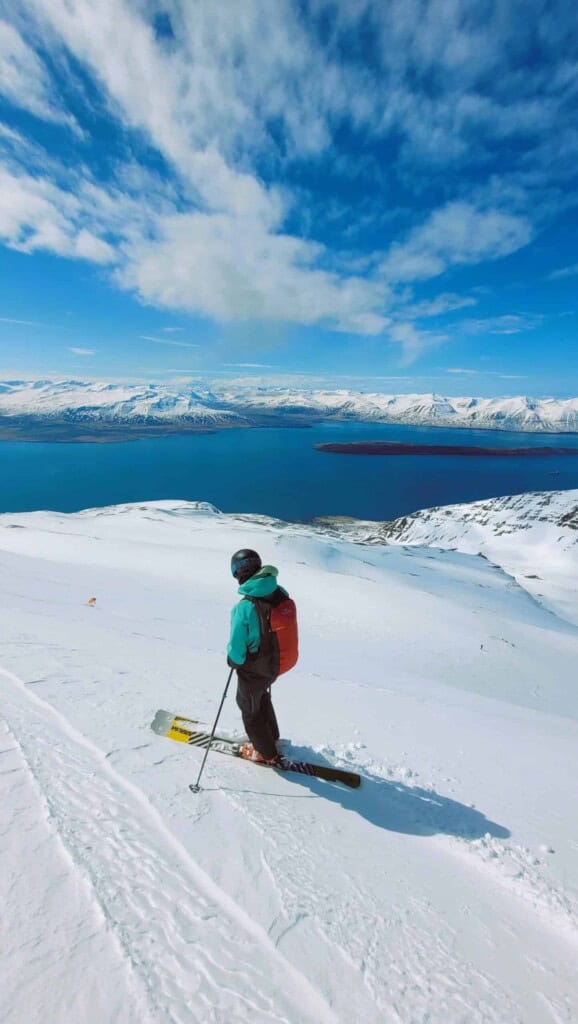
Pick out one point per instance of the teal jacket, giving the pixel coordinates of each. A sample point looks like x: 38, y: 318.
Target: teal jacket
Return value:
x: 245, y: 634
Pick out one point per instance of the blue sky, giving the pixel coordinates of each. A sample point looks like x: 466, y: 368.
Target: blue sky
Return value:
x: 380, y: 191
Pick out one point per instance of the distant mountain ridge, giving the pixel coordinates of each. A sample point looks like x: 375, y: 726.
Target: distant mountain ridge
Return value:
x: 532, y: 536
x: 224, y: 404
x: 517, y: 413
x: 81, y: 402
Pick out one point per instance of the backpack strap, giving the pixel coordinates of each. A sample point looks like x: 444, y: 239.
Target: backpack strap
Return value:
x: 266, y: 659
x: 269, y: 602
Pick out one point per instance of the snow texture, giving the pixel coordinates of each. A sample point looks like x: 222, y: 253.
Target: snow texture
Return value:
x: 224, y: 404
x: 444, y: 891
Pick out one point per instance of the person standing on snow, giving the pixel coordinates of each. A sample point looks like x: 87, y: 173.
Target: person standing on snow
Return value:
x: 262, y: 645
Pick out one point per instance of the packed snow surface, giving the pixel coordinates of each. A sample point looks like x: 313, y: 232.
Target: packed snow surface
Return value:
x: 222, y: 404
x: 444, y: 890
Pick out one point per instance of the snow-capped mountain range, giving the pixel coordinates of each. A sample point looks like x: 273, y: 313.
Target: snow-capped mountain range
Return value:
x: 519, y: 413
x: 226, y: 404
x: 79, y: 401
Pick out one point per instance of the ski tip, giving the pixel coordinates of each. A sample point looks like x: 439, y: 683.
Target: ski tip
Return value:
x: 161, y: 723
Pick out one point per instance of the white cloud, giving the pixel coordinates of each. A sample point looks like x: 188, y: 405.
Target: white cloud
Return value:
x: 457, y: 233
x: 88, y: 247
x: 193, y: 261
x: 483, y: 61
x: 168, y: 341
x: 413, y: 341
x: 509, y: 323
x: 446, y: 303
x: 23, y: 323
x: 235, y: 69
x: 229, y: 259
x: 196, y: 263
x: 24, y: 80
x: 571, y: 271
x: 193, y: 113
x: 189, y: 261
x: 461, y: 370
x: 486, y: 373
x: 172, y: 330
x: 8, y: 134
x: 242, y: 91
x: 37, y: 214
x: 82, y: 351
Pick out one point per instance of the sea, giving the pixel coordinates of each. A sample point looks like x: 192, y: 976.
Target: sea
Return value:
x: 276, y: 471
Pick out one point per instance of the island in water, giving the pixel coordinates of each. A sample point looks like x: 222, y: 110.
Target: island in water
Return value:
x: 401, y: 448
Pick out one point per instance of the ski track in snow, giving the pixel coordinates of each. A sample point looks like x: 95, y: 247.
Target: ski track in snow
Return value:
x: 171, y: 917
x: 77, y: 944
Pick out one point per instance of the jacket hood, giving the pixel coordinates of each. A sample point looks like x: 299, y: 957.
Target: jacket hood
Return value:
x: 262, y: 584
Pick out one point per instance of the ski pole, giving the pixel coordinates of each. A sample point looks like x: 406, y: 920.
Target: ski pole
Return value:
x: 194, y: 787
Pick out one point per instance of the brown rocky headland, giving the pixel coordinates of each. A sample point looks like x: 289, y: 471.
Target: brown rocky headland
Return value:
x: 402, y: 448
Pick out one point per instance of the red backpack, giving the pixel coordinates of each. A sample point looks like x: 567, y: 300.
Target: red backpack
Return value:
x: 283, y: 626
x: 279, y: 647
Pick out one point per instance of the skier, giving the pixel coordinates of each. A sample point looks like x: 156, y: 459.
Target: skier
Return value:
x: 262, y: 645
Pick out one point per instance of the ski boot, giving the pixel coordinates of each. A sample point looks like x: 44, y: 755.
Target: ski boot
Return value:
x: 250, y: 754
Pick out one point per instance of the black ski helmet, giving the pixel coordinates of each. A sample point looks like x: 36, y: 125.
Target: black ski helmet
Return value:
x: 244, y: 564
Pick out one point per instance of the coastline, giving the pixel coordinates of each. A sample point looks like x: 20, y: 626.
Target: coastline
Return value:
x: 37, y: 429
x: 49, y: 429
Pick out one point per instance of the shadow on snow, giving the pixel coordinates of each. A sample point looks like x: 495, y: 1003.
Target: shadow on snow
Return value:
x: 397, y: 807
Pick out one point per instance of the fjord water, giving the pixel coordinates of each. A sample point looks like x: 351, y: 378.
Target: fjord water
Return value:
x: 277, y: 472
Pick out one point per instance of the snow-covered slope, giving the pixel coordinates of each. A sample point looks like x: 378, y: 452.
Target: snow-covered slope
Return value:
x: 444, y: 891
x: 222, y: 404
x: 534, y: 537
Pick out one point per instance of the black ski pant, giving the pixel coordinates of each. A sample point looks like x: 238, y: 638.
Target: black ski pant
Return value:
x: 259, y: 719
